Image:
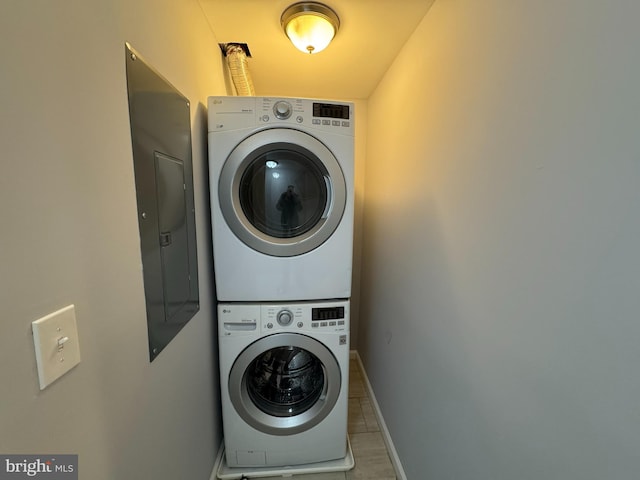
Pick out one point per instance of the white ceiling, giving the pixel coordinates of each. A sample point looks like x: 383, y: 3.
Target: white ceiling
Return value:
x: 371, y: 33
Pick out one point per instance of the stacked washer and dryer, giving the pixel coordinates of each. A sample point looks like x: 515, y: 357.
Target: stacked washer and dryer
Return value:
x: 281, y: 180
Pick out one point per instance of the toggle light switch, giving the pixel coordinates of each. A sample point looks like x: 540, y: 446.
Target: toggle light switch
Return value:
x: 55, y: 338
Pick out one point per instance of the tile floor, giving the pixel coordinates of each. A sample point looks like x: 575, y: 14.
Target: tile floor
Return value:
x: 369, y: 451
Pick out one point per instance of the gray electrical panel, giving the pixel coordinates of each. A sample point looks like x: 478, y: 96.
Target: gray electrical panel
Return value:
x: 161, y: 141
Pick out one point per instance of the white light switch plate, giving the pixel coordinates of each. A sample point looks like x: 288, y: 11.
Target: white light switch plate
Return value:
x: 55, y: 338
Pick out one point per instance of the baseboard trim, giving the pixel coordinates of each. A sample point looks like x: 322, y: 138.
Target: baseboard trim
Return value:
x: 386, y: 436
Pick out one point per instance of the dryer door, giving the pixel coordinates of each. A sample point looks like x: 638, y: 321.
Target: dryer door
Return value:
x: 282, y: 192
x: 285, y: 383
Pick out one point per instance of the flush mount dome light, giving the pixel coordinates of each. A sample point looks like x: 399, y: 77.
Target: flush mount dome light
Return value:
x: 310, y: 26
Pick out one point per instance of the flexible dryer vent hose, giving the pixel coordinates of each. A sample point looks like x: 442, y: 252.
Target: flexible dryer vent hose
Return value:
x: 239, y: 68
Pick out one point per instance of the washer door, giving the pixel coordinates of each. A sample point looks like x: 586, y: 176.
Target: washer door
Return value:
x: 282, y: 192
x: 285, y: 383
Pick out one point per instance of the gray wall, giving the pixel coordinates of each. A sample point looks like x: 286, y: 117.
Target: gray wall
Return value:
x: 70, y: 235
x: 500, y: 287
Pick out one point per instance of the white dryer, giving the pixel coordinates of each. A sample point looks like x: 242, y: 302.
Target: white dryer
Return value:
x: 284, y: 374
x: 282, y: 193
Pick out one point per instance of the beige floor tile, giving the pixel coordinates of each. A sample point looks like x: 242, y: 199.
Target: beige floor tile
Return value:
x: 356, y: 386
x: 357, y: 422
x: 376, y: 467
x: 368, y: 445
x: 369, y: 415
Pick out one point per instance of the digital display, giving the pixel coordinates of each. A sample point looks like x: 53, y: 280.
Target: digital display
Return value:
x: 333, y: 313
x: 331, y: 110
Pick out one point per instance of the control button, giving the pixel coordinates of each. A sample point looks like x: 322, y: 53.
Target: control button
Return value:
x: 332, y: 324
x: 326, y: 122
x: 316, y: 121
x: 299, y: 119
x: 323, y: 324
x: 340, y: 322
x: 314, y: 325
x: 300, y: 324
x: 265, y: 118
x: 284, y: 317
x: 336, y: 123
x: 282, y: 110
x: 345, y: 124
x: 269, y: 325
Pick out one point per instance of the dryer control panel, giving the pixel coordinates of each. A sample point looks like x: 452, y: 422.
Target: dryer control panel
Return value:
x: 251, y: 318
x: 231, y: 113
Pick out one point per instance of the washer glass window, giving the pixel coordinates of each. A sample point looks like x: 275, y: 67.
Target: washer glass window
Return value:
x: 285, y: 381
x: 283, y: 193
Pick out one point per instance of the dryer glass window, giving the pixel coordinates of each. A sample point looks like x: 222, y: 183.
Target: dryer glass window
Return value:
x: 283, y: 193
x: 285, y: 381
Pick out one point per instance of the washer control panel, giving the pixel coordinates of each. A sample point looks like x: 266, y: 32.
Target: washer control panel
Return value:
x: 305, y: 316
x: 262, y: 318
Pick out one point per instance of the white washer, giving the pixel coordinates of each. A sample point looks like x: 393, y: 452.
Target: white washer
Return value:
x: 284, y: 374
x: 281, y: 181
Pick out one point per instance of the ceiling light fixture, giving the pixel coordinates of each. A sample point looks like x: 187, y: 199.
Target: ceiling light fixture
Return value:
x: 310, y: 25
